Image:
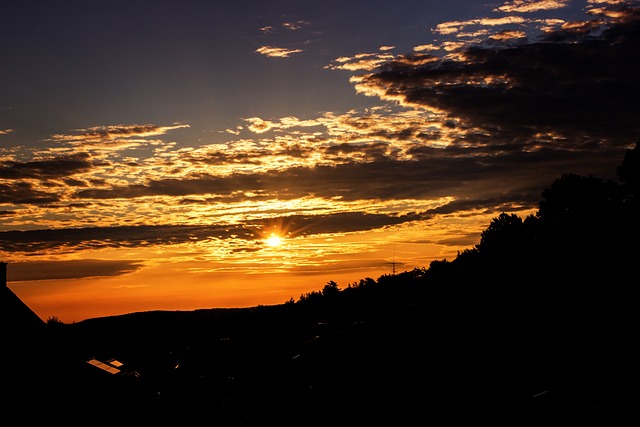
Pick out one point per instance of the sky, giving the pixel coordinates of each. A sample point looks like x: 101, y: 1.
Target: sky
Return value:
x: 178, y: 155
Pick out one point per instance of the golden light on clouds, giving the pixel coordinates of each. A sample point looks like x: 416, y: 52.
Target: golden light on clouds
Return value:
x: 277, y: 52
x: 532, y: 5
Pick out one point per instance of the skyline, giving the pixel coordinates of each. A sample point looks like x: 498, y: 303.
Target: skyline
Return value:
x: 151, y: 151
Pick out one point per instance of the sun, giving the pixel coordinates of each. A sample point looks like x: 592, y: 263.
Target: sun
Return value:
x: 274, y: 240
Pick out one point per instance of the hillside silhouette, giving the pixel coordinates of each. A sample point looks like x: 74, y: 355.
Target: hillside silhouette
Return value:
x: 534, y: 325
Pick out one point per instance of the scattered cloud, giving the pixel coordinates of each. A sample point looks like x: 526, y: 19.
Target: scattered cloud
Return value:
x: 453, y: 27
x: 277, y: 52
x: 294, y: 26
x: 118, y: 135
x: 362, y: 61
x: 258, y: 125
x: 524, y: 6
x: 509, y: 35
x: 426, y: 47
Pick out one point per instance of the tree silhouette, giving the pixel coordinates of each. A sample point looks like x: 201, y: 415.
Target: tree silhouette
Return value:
x: 629, y: 171
x: 575, y: 251
x: 330, y: 289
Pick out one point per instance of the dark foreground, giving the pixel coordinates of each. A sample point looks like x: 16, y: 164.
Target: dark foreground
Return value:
x: 410, y: 363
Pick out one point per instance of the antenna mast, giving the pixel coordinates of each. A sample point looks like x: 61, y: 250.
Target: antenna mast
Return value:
x: 393, y: 261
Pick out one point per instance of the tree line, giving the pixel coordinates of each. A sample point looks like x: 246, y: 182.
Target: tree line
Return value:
x: 578, y: 250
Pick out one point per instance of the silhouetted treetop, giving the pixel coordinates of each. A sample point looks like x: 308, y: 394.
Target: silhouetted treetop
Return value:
x: 629, y: 170
x: 574, y: 199
x: 505, y: 235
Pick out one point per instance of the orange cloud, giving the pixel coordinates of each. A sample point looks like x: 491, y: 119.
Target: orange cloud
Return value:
x: 453, y: 27
x: 361, y: 61
x: 508, y: 35
x: 532, y: 5
x: 258, y: 125
x: 277, y: 52
x: 114, y: 134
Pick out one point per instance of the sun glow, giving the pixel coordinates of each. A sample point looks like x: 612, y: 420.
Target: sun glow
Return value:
x: 274, y: 240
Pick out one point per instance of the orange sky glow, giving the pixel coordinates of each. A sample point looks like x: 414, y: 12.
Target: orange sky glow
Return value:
x: 210, y: 274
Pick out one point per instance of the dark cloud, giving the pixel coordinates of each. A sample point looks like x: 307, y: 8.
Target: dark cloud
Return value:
x: 365, y: 266
x: 69, y: 240
x: 255, y: 156
x: 364, y: 151
x: 18, y: 189
x: 303, y: 225
x: 25, y: 193
x: 64, y: 240
x: 588, y: 86
x: 60, y: 167
x: 466, y: 240
x: 463, y: 173
x: 179, y: 187
x: 71, y: 182
x: 73, y: 269
x: 511, y: 201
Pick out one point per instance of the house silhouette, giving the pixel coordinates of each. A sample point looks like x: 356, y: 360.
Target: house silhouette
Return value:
x: 17, y: 320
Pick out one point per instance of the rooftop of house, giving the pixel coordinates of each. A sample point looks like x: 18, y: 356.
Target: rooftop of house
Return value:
x: 16, y: 317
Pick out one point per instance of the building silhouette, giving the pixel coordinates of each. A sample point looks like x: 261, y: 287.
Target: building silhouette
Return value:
x: 17, y: 320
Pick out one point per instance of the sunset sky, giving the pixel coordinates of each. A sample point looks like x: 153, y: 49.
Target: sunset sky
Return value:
x: 176, y: 155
